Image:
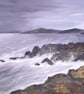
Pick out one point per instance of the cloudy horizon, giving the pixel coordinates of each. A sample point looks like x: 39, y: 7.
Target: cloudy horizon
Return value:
x: 20, y: 15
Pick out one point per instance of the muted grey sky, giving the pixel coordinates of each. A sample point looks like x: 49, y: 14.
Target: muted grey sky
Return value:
x: 22, y: 15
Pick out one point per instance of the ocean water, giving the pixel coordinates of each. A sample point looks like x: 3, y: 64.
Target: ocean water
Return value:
x: 22, y: 42
x: 20, y: 74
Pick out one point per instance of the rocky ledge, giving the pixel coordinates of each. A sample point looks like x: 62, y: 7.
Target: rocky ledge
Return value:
x: 63, y: 52
x: 72, y: 83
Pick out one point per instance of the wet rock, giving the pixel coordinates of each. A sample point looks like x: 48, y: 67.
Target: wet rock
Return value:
x: 72, y: 83
x: 13, y: 58
x: 27, y: 54
x: 32, y: 54
x: 65, y: 51
x: 37, y: 64
x: 46, y: 60
x: 35, y: 51
x: 81, y: 57
x: 49, y: 48
x: 2, y: 60
x: 63, y: 56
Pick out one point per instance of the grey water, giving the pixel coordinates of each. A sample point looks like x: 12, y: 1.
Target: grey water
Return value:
x: 20, y: 74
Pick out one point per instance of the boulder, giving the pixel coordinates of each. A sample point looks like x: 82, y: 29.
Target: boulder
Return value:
x: 37, y: 64
x: 2, y: 60
x: 27, y: 54
x: 13, y: 58
x: 80, y: 57
x: 63, y: 56
x: 48, y: 61
x: 35, y: 51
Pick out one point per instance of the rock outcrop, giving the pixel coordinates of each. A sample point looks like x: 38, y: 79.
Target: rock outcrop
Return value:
x: 35, y: 52
x: 72, y: 83
x: 47, y: 60
x: 63, y: 52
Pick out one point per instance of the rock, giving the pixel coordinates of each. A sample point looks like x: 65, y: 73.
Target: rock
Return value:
x: 48, y: 61
x: 27, y: 54
x: 72, y: 83
x: 63, y: 56
x: 13, y: 58
x: 2, y: 60
x: 35, y: 51
x: 63, y: 52
x: 37, y: 64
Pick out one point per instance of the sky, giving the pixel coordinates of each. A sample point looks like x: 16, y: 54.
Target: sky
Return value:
x: 24, y: 15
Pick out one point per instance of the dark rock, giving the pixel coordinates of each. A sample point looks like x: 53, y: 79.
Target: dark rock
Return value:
x: 27, y: 54
x: 35, y: 51
x: 61, y: 51
x: 2, y: 60
x: 48, y: 61
x: 49, y: 48
x: 13, y: 58
x: 37, y: 64
x: 63, y: 56
x: 81, y: 57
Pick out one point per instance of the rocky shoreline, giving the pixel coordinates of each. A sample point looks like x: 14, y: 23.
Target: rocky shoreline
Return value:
x: 72, y: 83
x: 60, y: 52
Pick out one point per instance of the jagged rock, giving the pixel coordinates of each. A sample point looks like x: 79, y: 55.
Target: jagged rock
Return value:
x: 35, y: 51
x: 27, y: 54
x: 48, y: 61
x: 77, y: 73
x: 49, y: 48
x: 72, y: 83
x: 65, y: 51
x: 63, y: 56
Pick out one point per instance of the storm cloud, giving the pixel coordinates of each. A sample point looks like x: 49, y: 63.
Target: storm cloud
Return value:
x: 21, y: 15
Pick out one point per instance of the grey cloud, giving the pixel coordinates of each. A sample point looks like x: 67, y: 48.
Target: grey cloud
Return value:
x: 30, y: 14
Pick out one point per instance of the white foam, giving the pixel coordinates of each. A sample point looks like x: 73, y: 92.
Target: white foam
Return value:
x: 20, y: 74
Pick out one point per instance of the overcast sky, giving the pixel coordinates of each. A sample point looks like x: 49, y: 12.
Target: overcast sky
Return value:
x: 22, y: 15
